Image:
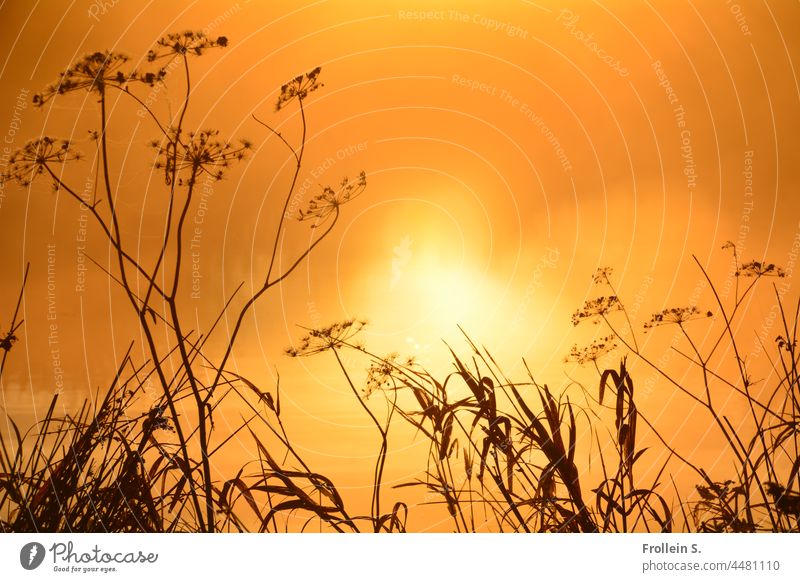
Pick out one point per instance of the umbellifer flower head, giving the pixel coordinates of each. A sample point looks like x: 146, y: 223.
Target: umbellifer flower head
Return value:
x: 203, y: 153
x: 33, y: 158
x: 594, y: 309
x: 759, y: 269
x: 95, y: 72
x: 329, y: 200
x: 298, y: 88
x: 593, y: 352
x: 676, y: 315
x: 188, y: 42
x: 602, y: 275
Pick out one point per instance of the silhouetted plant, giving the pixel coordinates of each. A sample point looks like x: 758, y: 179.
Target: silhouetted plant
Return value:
x: 676, y: 316
x: 592, y: 352
x: 179, y: 490
x: 765, y: 453
x: 334, y: 338
x: 503, y: 455
x: 327, y: 203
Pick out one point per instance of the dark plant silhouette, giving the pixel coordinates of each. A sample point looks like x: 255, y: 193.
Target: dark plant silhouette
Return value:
x: 763, y: 447
x: 157, y: 459
x: 502, y: 454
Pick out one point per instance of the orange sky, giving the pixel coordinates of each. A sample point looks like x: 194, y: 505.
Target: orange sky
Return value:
x: 510, y: 150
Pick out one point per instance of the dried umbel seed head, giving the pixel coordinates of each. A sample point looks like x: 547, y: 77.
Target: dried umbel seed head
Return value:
x: 593, y: 352
x: 602, y: 275
x: 596, y: 309
x: 676, y: 315
x: 759, y: 269
x: 93, y: 72
x: 187, y: 43
x: 379, y: 374
x: 202, y: 153
x: 35, y: 157
x: 322, y: 339
x: 298, y: 88
x: 330, y: 199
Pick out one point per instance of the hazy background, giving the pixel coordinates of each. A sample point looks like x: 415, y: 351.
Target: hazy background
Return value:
x: 506, y: 161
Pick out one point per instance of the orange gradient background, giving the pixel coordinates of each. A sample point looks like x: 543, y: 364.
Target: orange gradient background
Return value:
x: 506, y: 161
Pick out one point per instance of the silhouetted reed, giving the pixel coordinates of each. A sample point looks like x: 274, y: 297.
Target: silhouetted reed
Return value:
x: 133, y: 463
x: 503, y: 455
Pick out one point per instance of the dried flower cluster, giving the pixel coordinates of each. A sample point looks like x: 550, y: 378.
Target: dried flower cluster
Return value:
x: 602, y: 275
x: 92, y: 72
x: 299, y: 88
x: 95, y: 72
x: 593, y: 352
x: 186, y: 43
x: 676, y: 315
x: 25, y: 164
x: 322, y: 339
x: 754, y: 268
x: 759, y: 269
x: 202, y: 154
x: 379, y: 374
x: 594, y: 309
x: 329, y: 200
